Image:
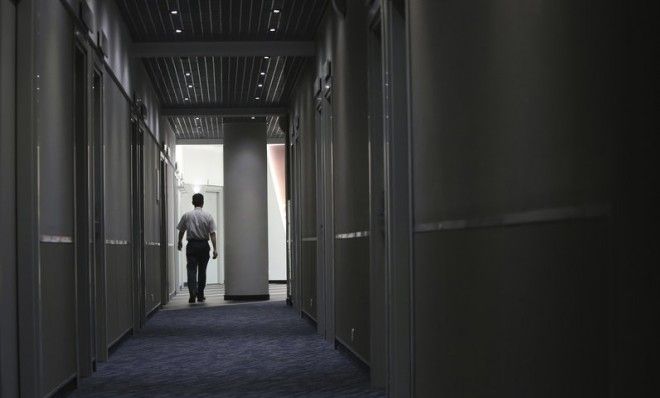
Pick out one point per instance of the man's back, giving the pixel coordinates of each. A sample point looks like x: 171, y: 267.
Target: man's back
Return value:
x: 198, y: 224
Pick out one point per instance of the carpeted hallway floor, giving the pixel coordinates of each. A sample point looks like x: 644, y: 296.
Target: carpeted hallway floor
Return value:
x: 248, y: 350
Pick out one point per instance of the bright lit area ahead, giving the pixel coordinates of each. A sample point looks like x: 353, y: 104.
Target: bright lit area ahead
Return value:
x: 200, y: 169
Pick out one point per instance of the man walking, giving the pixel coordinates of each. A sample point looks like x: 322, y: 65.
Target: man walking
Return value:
x: 199, y: 226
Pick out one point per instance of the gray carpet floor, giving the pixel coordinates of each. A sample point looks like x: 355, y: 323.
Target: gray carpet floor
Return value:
x: 250, y: 350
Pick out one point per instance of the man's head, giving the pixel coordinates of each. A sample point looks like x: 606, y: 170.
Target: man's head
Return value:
x: 198, y: 200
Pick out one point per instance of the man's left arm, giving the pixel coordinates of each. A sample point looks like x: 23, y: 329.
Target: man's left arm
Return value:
x: 212, y: 236
x: 215, y: 250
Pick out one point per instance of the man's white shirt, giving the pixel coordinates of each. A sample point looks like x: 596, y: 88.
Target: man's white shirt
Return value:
x: 198, y: 224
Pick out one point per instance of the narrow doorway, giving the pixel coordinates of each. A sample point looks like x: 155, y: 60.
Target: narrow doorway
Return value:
x: 200, y: 170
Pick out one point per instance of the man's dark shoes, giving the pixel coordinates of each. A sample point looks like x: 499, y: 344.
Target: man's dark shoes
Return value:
x: 191, y: 300
x: 201, y: 299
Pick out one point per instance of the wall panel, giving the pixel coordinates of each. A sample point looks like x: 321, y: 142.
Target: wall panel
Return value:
x: 152, y: 224
x: 54, y: 127
x: 352, y: 297
x: 509, y: 115
x: 59, y: 316
x: 117, y: 141
x: 119, y: 288
x: 513, y: 311
x: 350, y: 174
x: 308, y: 259
x: 8, y: 326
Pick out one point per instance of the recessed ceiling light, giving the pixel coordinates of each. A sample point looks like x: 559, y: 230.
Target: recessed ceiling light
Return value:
x: 187, y: 73
x: 260, y: 85
x: 197, y: 118
x: 263, y: 73
x: 257, y: 98
x: 174, y: 12
x: 178, y: 31
x: 276, y: 11
x: 266, y: 57
x: 186, y: 99
x: 252, y: 118
x: 190, y: 86
x: 272, y: 29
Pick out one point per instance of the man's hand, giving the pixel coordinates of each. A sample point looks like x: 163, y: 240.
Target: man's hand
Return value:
x: 215, y: 254
x: 180, y: 245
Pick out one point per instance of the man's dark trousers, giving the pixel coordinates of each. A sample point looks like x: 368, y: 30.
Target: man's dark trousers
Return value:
x: 197, y: 254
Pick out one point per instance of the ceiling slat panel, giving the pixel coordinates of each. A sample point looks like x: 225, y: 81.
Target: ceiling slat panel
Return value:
x: 222, y: 81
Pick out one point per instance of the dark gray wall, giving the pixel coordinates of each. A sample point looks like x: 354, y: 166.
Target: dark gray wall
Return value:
x: 8, y: 326
x: 303, y: 121
x: 343, y: 41
x: 54, y: 129
x: 152, y: 224
x: 246, y: 210
x: 50, y: 110
x: 513, y: 110
x: 117, y: 141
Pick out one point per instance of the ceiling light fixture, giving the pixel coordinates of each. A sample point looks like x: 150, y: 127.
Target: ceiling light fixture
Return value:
x: 174, y: 12
x: 276, y: 11
x: 186, y: 99
x: 190, y: 86
x: 263, y: 73
x: 272, y: 29
x: 252, y: 118
x: 260, y: 85
x: 178, y: 31
x: 187, y: 73
x: 266, y: 57
x: 257, y: 98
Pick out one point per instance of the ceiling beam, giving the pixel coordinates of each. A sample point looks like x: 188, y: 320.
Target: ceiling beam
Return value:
x: 223, y: 111
x: 223, y: 49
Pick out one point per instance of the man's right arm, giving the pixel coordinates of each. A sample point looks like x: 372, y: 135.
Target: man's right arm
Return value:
x: 182, y: 229
x: 180, y: 245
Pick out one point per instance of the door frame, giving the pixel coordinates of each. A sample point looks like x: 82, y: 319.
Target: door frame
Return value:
x: 325, y: 277
x: 27, y: 215
x: 83, y: 176
x: 98, y: 155
x: 137, y: 216
x: 377, y: 231
x: 163, y: 197
x: 398, y: 197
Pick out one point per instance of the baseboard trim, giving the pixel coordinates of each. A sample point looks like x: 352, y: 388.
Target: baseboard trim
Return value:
x: 153, y: 311
x: 117, y: 342
x: 247, y: 297
x: 277, y: 282
x: 64, y: 388
x: 309, y: 318
x: 341, y: 346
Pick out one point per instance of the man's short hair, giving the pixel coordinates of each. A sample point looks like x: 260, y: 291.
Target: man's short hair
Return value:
x: 198, y: 199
